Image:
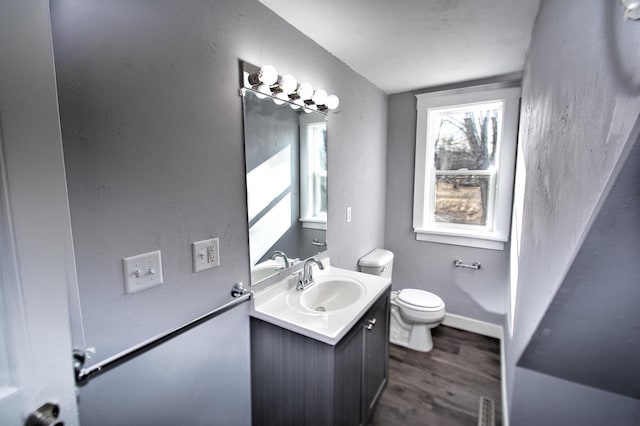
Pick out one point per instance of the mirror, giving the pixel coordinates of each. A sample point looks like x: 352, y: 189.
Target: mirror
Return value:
x: 286, y: 166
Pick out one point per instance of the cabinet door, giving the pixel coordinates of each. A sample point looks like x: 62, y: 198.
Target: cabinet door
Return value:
x: 376, y: 355
x: 348, y: 379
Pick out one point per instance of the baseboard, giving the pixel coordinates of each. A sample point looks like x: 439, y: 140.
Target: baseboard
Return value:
x: 473, y: 326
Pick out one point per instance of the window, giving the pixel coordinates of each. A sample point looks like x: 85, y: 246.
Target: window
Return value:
x: 465, y: 153
x: 313, y: 172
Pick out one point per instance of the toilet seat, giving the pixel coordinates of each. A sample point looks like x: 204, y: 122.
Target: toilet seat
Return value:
x: 419, y: 300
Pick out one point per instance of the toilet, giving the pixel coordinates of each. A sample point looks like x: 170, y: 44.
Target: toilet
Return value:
x: 414, y: 312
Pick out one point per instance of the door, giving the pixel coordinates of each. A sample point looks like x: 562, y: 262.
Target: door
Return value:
x: 348, y: 378
x: 376, y: 355
x: 36, y: 254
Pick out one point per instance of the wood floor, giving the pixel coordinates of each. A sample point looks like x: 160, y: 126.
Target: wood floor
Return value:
x: 442, y: 387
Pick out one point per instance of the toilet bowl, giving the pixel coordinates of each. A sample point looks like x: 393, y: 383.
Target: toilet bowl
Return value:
x: 414, y: 312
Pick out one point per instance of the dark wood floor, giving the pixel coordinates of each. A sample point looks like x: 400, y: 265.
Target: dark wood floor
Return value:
x: 442, y: 387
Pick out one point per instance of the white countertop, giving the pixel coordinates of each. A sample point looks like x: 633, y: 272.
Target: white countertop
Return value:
x: 274, y: 305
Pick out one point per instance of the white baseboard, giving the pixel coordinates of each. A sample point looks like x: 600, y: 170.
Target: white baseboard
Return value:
x: 473, y: 326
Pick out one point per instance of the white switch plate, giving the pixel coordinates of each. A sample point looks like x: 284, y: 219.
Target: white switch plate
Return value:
x: 142, y: 271
x: 206, y: 254
x: 348, y: 214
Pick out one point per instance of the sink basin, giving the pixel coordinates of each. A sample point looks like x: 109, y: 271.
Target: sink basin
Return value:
x: 324, y: 311
x: 332, y: 294
x: 261, y: 272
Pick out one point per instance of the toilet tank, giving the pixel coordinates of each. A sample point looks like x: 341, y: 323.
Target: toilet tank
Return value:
x: 378, y: 262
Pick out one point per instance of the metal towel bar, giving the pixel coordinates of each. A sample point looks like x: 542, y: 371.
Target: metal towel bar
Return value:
x: 458, y: 264
x: 83, y: 375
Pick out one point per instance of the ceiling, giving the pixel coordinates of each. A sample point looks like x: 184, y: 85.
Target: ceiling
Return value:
x: 402, y: 45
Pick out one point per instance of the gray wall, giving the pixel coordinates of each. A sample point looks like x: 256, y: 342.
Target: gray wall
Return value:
x: 547, y: 400
x: 581, y: 98
x: 480, y: 295
x: 594, y: 318
x: 153, y: 140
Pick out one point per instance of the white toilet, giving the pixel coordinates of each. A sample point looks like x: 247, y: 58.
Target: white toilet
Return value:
x: 413, y: 312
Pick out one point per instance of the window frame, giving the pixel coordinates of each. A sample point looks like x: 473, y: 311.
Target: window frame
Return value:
x: 309, y: 181
x: 495, y: 233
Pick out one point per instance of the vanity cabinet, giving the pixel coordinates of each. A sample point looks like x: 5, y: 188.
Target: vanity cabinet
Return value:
x: 297, y: 380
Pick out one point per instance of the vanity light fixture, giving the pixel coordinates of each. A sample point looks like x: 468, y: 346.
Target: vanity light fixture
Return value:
x: 280, y: 98
x: 305, y: 91
x: 310, y: 108
x: 332, y: 102
x: 288, y: 84
x: 267, y: 75
x: 297, y: 104
x: 266, y: 82
x: 319, y: 97
x: 263, y: 91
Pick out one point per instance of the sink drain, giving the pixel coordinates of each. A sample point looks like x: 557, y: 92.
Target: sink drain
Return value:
x: 321, y: 309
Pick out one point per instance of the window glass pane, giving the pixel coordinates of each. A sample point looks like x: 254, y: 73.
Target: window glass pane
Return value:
x: 318, y: 152
x: 466, y: 136
x: 462, y: 199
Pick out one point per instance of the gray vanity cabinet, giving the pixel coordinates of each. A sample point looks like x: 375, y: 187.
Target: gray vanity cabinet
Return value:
x: 375, y: 366
x: 296, y: 380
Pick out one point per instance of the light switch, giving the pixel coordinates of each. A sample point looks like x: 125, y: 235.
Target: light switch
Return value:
x: 206, y: 254
x: 348, y: 214
x: 142, y: 271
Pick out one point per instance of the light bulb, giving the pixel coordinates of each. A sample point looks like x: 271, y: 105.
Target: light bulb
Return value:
x: 288, y: 83
x: 311, y: 108
x: 298, y: 103
x: 319, y: 97
x: 268, y: 75
x: 280, y: 98
x: 263, y: 91
x: 332, y: 102
x: 305, y: 91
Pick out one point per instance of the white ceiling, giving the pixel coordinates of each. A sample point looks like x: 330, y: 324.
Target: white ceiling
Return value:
x: 409, y: 44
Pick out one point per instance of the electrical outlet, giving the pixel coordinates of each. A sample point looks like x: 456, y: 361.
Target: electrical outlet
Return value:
x: 206, y: 254
x: 142, y: 271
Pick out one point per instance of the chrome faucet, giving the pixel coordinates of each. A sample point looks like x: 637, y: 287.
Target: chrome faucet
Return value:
x: 283, y: 255
x: 305, y: 277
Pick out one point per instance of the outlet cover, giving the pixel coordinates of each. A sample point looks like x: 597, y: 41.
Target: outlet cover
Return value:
x: 206, y: 254
x: 142, y: 271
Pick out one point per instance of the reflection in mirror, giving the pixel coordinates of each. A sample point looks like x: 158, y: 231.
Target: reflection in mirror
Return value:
x: 286, y: 165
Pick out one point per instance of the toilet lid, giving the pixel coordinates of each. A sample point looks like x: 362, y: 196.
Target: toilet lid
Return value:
x: 420, y: 298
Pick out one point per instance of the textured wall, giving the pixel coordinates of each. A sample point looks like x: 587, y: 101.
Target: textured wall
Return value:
x: 581, y: 98
x: 153, y: 141
x: 481, y: 294
x: 599, y: 297
x: 546, y: 400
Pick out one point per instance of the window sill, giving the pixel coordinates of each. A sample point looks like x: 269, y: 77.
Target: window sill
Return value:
x: 314, y: 223
x: 484, y: 241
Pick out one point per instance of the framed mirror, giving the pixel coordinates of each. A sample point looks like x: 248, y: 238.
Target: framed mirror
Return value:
x: 286, y: 166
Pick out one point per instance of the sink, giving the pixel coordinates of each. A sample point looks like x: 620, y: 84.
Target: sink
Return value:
x: 332, y: 294
x: 259, y: 273
x: 324, y: 311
